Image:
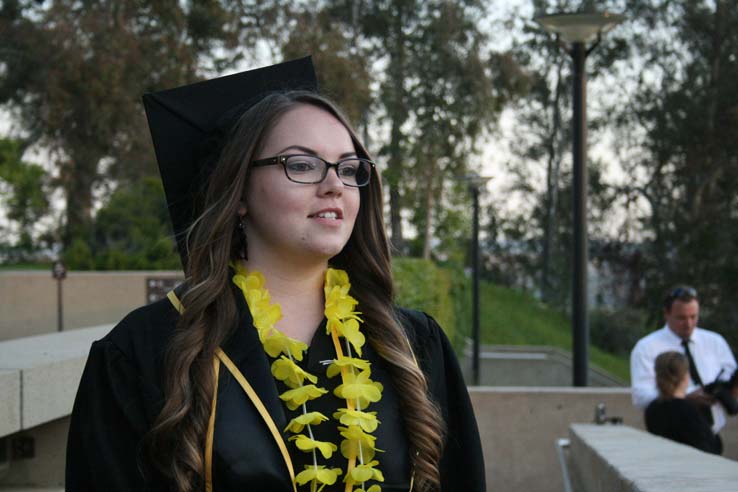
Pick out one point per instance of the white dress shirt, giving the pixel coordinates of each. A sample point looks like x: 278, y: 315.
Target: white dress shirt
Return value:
x: 712, y: 356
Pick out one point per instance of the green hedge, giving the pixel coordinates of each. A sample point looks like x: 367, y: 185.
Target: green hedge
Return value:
x: 440, y: 292
x: 507, y: 316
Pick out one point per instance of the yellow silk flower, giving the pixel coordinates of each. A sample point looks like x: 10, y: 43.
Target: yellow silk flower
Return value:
x: 335, y: 367
x: 248, y: 281
x: 362, y: 473
x: 266, y: 316
x: 310, y: 418
x: 349, y: 330
x: 360, y: 388
x: 275, y: 342
x: 373, y: 488
x: 366, y: 420
x: 320, y: 475
x: 304, y: 443
x: 340, y: 305
x: 291, y: 374
x: 356, y: 439
x: 334, y: 277
x: 294, y: 398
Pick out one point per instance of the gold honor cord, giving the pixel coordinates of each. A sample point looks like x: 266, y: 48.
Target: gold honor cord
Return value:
x: 175, y: 301
x: 221, y: 356
x: 211, y: 431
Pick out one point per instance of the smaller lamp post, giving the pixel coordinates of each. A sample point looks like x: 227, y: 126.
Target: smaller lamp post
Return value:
x: 476, y: 182
x: 59, y: 272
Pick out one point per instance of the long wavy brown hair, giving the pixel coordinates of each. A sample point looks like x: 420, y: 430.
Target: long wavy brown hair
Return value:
x: 177, y: 439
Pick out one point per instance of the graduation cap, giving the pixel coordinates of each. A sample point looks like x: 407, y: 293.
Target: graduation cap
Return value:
x: 188, y: 124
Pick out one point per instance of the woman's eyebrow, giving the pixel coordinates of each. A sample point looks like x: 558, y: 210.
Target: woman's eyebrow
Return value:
x: 310, y: 151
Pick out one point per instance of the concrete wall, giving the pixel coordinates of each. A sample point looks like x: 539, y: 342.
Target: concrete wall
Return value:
x: 519, y: 427
x: 28, y: 300
x: 620, y: 458
x: 46, y: 468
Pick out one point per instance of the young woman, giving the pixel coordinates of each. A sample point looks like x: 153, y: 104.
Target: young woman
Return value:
x: 671, y: 415
x: 281, y: 364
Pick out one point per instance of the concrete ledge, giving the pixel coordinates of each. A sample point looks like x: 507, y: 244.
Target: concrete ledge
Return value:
x: 10, y: 402
x: 39, y: 376
x: 623, y: 459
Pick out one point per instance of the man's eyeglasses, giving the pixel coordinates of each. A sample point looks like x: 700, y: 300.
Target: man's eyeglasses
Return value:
x: 683, y: 292
x: 311, y: 169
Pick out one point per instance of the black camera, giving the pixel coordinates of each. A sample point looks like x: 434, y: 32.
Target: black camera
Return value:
x: 722, y: 391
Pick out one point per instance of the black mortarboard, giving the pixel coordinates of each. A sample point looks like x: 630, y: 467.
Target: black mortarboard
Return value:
x: 185, y: 121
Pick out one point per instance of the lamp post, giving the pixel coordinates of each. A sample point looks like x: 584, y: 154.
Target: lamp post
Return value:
x: 576, y: 31
x: 476, y: 182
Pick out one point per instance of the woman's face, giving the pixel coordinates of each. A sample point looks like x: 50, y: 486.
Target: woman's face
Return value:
x: 301, y: 221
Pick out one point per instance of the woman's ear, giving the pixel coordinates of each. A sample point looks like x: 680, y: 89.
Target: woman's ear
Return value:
x: 241, y: 209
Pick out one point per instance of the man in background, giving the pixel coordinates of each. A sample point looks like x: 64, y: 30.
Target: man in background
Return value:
x: 710, y: 358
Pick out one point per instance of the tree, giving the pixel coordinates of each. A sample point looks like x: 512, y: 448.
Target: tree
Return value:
x: 341, y: 63
x: 131, y: 232
x: 681, y: 132
x: 75, y: 71
x: 26, y: 196
x: 452, y: 105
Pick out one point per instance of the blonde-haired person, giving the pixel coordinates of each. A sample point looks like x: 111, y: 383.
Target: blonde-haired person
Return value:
x: 671, y: 415
x: 281, y: 364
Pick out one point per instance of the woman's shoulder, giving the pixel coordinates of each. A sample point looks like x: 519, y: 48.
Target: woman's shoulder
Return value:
x: 419, y: 326
x: 428, y: 340
x: 143, y: 333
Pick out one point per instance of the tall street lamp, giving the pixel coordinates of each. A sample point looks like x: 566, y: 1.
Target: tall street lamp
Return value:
x: 476, y: 182
x: 575, y: 32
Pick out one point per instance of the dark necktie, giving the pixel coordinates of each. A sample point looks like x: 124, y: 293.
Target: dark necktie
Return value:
x: 692, y: 366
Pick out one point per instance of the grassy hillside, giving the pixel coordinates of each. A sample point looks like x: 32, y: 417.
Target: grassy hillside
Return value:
x: 510, y: 317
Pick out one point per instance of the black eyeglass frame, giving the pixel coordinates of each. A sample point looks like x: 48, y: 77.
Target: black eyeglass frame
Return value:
x: 282, y: 159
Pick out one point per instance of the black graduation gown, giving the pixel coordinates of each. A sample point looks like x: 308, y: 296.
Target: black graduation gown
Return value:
x: 120, y: 395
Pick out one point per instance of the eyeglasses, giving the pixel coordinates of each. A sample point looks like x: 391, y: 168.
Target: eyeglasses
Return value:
x: 680, y: 292
x: 311, y: 169
x: 683, y: 293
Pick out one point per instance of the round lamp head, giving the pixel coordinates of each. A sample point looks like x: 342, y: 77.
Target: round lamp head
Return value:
x: 579, y: 28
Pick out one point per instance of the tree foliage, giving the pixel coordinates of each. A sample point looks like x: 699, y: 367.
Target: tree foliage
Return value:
x: 684, y: 124
x: 131, y: 232
x: 75, y: 71
x: 25, y: 191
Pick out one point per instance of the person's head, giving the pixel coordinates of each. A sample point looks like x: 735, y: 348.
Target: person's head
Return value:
x: 682, y: 311
x: 297, y: 221
x: 672, y: 374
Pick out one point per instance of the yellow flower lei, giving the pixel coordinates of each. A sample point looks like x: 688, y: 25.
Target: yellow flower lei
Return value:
x: 357, y: 388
